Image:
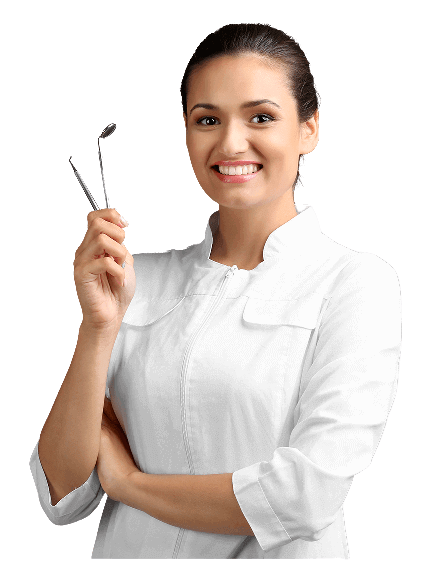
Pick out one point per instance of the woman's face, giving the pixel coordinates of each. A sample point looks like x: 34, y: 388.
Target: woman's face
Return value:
x: 227, y: 126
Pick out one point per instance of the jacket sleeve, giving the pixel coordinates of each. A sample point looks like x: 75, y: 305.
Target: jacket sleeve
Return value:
x: 83, y: 500
x: 344, y: 400
x: 75, y: 506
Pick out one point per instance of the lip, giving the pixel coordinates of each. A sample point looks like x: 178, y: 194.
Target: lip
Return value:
x: 235, y: 163
x: 235, y: 178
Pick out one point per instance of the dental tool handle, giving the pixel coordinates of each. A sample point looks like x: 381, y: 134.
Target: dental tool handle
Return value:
x: 103, y: 178
x: 84, y: 186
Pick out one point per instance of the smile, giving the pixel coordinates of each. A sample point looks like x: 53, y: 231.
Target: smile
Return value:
x: 236, y: 174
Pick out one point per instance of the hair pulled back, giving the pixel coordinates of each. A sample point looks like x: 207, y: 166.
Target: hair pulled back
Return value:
x: 270, y: 44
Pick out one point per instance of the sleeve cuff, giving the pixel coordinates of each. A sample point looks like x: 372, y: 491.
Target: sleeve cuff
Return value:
x: 265, y: 524
x: 73, y: 506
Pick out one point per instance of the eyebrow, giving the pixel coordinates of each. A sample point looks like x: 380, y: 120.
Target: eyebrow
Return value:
x: 246, y: 105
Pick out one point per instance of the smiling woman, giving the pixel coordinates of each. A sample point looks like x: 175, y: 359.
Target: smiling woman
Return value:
x: 261, y: 116
x: 271, y: 47
x: 252, y: 373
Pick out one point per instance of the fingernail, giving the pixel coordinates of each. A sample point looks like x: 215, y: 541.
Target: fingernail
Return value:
x: 123, y: 221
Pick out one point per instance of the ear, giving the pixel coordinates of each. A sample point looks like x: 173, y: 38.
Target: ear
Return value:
x: 185, y: 119
x: 309, y: 134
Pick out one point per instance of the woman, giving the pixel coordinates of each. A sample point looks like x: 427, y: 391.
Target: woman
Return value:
x: 224, y: 395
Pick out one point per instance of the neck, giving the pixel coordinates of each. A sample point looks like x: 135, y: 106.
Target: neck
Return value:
x: 242, y: 233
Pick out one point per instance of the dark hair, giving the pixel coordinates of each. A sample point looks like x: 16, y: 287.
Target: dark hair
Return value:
x: 272, y: 45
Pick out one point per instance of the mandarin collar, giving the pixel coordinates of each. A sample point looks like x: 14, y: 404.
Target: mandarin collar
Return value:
x: 296, y: 235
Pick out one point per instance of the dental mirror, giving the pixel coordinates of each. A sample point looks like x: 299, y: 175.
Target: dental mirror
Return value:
x: 108, y: 131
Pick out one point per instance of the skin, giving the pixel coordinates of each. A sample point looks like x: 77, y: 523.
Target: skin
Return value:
x: 249, y: 211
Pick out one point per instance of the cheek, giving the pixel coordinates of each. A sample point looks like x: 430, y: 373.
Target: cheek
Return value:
x: 198, y: 151
x: 194, y: 143
x: 282, y: 150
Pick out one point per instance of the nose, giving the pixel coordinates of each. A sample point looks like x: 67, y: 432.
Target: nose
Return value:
x: 233, y: 139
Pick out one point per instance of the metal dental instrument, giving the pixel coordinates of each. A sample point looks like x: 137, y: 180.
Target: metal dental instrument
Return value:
x: 84, y: 186
x: 105, y: 133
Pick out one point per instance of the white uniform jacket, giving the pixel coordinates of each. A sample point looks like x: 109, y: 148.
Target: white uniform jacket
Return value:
x: 283, y: 375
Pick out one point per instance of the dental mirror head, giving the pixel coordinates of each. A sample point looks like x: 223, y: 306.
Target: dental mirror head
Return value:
x: 108, y: 130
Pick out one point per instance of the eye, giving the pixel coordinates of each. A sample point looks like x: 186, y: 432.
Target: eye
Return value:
x: 263, y: 115
x: 199, y: 122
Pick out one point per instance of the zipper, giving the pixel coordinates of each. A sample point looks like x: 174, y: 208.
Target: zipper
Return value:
x: 223, y: 288
x: 222, y: 291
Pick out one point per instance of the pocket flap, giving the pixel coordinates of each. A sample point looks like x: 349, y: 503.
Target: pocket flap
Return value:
x: 144, y: 313
x: 303, y: 311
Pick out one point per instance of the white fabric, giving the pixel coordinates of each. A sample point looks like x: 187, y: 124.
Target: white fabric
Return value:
x: 283, y: 375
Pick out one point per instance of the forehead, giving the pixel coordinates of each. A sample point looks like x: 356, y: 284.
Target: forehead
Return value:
x: 225, y: 80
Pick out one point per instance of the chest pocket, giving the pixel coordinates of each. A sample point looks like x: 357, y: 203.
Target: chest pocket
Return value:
x: 252, y: 360
x: 280, y: 338
x: 302, y: 312
x: 146, y: 313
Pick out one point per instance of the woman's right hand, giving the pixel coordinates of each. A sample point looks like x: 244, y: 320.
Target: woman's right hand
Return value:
x: 98, y: 273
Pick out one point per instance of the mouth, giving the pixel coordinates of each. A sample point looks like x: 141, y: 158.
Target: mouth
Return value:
x: 250, y: 172
x: 217, y: 169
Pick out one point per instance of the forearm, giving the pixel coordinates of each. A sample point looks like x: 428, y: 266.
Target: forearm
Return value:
x: 70, y: 438
x: 204, y: 503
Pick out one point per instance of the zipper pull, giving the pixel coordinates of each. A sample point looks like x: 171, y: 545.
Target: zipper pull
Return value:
x: 231, y: 271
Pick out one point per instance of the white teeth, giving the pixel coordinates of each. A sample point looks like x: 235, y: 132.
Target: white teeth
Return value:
x: 238, y: 169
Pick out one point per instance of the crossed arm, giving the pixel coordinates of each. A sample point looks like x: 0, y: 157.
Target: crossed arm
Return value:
x: 203, y: 503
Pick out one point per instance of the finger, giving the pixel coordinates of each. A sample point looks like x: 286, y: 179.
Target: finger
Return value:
x: 108, y: 214
x: 103, y: 244
x: 97, y: 226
